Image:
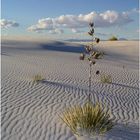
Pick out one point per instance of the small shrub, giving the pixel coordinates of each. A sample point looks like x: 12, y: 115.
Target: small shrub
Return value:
x: 113, y: 38
x: 37, y: 78
x: 87, y: 120
x: 106, y: 78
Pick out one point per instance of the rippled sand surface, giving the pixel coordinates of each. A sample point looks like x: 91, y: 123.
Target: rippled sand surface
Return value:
x: 30, y: 111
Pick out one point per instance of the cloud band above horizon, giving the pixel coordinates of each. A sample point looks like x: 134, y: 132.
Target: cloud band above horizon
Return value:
x: 78, y: 22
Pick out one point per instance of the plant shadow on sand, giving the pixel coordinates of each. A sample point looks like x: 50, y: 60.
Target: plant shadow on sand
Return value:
x: 123, y: 132
x: 126, y: 86
x: 60, y: 84
x: 46, y: 46
x: 63, y: 47
x: 85, y: 89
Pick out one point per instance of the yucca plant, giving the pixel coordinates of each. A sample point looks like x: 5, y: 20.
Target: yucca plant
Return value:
x: 37, y: 78
x: 87, y: 120
x: 91, y: 119
x: 106, y: 79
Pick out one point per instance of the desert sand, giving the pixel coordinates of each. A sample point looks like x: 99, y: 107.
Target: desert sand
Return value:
x: 30, y: 110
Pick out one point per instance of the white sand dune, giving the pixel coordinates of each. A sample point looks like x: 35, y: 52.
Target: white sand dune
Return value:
x: 30, y: 111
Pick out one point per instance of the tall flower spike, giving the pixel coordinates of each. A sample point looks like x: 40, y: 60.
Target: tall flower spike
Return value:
x: 92, y: 54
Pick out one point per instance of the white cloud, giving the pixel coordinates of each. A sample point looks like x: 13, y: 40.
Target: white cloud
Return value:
x: 132, y: 11
x: 43, y: 24
x: 76, y: 22
x: 8, y: 23
x: 56, y: 31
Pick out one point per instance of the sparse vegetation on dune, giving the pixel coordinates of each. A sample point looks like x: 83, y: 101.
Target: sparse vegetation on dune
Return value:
x: 113, y: 38
x: 106, y: 78
x: 38, y: 78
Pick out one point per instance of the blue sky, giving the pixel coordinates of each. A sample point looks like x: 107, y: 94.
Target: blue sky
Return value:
x: 70, y: 18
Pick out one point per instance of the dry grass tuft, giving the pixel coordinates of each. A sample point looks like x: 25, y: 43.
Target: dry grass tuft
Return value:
x: 37, y: 78
x: 87, y: 120
x: 106, y: 79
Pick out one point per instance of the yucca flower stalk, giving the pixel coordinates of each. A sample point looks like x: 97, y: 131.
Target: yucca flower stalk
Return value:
x: 92, y: 55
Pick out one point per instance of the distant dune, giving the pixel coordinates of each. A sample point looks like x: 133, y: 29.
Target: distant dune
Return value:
x: 30, y: 111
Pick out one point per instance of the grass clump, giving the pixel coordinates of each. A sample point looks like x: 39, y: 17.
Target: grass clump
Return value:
x: 37, y: 78
x: 113, y: 38
x: 87, y: 120
x: 106, y: 79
